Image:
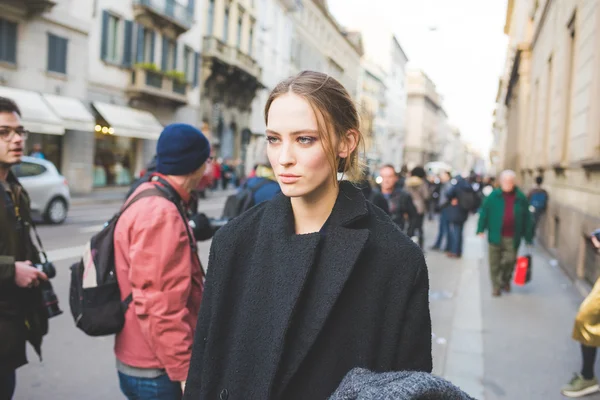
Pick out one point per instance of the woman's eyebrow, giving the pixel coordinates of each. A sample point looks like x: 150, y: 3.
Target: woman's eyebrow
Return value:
x: 295, y: 133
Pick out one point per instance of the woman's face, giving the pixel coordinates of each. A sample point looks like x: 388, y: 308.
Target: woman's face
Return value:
x: 295, y: 149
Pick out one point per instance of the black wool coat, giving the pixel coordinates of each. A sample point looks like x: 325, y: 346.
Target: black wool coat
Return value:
x: 287, y: 316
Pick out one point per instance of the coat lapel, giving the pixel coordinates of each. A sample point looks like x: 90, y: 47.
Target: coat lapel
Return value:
x: 337, y: 257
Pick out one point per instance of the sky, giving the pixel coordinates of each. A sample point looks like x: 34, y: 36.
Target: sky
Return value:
x: 460, y: 44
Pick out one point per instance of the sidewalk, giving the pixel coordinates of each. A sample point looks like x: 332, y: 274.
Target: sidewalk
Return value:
x: 517, y: 346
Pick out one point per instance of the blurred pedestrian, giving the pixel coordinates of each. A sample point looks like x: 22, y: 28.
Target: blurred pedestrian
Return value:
x: 444, y: 203
x: 400, y: 206
x: 538, y: 200
x: 305, y: 287
x: 157, y: 264
x: 505, y: 216
x: 417, y: 187
x: 22, y: 315
x: 457, y: 214
x: 37, y: 152
x: 587, y: 332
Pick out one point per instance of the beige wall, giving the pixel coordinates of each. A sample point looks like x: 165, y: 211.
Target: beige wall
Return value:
x: 554, y: 121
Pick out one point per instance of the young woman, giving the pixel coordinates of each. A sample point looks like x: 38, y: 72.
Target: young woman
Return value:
x: 317, y: 281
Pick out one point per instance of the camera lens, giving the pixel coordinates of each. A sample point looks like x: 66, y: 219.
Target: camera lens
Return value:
x: 49, y: 270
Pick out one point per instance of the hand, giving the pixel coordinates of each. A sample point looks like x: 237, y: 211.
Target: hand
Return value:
x: 481, y: 234
x: 27, y: 276
x: 183, y: 387
x: 596, y: 242
x: 454, y: 202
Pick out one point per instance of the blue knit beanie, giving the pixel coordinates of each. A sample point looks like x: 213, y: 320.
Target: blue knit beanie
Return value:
x: 181, y: 150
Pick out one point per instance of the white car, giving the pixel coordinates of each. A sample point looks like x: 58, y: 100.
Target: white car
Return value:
x: 49, y: 191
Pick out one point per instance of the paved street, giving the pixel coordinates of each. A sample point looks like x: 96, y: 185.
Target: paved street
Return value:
x: 514, y: 347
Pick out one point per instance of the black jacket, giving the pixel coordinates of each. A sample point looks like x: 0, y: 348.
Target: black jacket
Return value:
x: 17, y: 305
x: 287, y: 316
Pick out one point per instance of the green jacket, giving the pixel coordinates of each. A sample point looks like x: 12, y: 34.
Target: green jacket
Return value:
x: 22, y: 315
x: 492, y: 214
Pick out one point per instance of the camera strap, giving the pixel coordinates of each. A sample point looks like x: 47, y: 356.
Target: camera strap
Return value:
x: 28, y: 222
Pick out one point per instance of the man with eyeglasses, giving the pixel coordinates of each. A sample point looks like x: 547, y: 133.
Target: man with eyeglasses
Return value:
x: 22, y: 316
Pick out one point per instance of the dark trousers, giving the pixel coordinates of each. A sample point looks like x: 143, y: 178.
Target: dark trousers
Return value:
x: 443, y: 231
x: 7, y: 385
x: 161, y: 388
x: 455, y: 238
x: 415, y: 228
x: 502, y: 259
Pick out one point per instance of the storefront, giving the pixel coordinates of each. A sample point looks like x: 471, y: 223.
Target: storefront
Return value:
x: 38, y: 118
x: 121, y: 137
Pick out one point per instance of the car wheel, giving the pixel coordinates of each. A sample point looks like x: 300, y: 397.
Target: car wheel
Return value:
x: 56, y: 212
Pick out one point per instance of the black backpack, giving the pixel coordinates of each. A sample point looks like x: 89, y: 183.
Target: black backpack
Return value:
x: 241, y: 201
x: 95, y: 298
x: 468, y: 200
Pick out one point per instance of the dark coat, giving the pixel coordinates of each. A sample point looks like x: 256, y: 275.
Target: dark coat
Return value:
x: 456, y: 214
x: 287, y: 316
x: 491, y: 217
x: 17, y: 304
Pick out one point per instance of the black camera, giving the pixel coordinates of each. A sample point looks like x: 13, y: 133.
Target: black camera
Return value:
x: 49, y: 298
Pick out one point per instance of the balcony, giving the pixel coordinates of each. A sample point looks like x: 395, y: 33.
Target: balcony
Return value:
x: 232, y: 56
x: 30, y: 7
x: 157, y: 86
x: 166, y: 15
x: 292, y: 5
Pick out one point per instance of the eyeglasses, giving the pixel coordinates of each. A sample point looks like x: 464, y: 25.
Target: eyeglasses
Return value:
x: 7, y: 134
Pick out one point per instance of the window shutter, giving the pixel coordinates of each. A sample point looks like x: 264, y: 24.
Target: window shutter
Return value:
x: 64, y: 55
x: 51, y: 53
x: 165, y: 53
x: 175, y: 46
x: 8, y: 41
x: 104, y: 39
x: 191, y: 7
x: 128, y: 46
x: 141, y: 45
x: 196, y: 58
x: 152, y: 46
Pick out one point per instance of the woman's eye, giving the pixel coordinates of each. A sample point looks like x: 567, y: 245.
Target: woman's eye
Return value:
x: 306, y: 139
x: 271, y: 139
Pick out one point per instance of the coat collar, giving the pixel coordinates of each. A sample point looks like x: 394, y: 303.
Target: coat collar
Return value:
x: 313, y: 273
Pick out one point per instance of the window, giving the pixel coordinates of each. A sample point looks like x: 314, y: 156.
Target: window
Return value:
x: 148, y: 46
x: 211, y: 17
x: 239, y: 33
x: 169, y: 55
x: 111, y: 38
x: 188, y: 64
x: 26, y: 169
x: 226, y: 26
x: 250, y: 40
x: 57, y: 54
x: 8, y: 41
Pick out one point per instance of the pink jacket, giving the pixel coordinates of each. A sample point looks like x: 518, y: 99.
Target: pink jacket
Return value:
x: 154, y: 261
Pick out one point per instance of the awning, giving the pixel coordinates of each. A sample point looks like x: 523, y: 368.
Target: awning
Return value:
x: 37, y: 115
x: 72, y: 111
x: 129, y: 122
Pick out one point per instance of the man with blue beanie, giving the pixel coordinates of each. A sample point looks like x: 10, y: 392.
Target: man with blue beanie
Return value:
x: 157, y: 264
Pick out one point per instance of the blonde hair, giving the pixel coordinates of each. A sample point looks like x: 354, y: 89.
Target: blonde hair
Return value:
x: 332, y: 104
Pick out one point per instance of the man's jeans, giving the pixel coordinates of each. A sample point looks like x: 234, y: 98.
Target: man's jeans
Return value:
x: 7, y: 385
x: 161, y: 388
x: 455, y: 238
x: 443, y: 231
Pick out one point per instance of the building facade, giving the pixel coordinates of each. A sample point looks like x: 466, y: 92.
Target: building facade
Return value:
x: 373, y: 110
x: 551, y: 92
x: 43, y: 68
x: 426, y: 120
x: 230, y: 74
x: 320, y: 44
x: 274, y: 51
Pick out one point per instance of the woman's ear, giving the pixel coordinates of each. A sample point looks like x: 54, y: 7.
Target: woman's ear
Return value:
x: 348, y: 143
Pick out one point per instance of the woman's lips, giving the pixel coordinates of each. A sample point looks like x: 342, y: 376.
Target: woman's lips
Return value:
x: 288, y: 178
